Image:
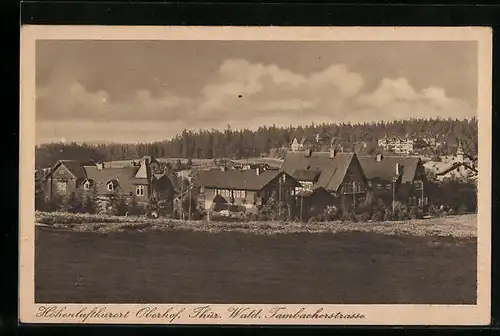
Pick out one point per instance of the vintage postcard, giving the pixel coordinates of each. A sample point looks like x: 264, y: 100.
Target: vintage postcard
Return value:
x: 255, y: 175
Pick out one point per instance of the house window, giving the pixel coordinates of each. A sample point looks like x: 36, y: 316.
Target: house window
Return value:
x: 422, y: 201
x: 86, y: 185
x: 418, y: 185
x: 225, y: 193
x: 110, y: 186
x: 240, y: 193
x: 61, y: 186
x: 307, y: 185
x: 370, y: 184
x: 139, y: 190
x: 379, y: 186
x: 388, y: 186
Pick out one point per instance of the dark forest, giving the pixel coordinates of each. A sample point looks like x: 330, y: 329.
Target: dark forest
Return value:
x: 272, y: 141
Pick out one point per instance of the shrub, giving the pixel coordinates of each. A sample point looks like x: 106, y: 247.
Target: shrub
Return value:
x: 364, y: 217
x: 387, y: 215
x: 415, y: 213
x: 350, y: 216
x: 364, y: 208
x: 251, y: 217
x: 118, y: 205
x: 377, y: 216
x: 262, y: 216
x: 402, y: 214
x: 312, y: 220
x: 331, y: 213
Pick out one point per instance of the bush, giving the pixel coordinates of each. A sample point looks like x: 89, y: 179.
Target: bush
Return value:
x: 402, y: 214
x: 377, y: 216
x: 349, y: 216
x: 251, y: 217
x: 415, y: 213
x: 364, y: 217
x: 331, y: 213
x: 387, y: 215
x: 262, y: 216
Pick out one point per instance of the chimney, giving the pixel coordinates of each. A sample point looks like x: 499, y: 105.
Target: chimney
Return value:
x: 333, y: 153
x: 257, y: 171
x: 398, y: 169
x: 379, y: 157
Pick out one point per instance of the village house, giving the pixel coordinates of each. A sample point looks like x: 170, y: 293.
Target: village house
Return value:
x: 299, y: 145
x: 326, y: 177
x: 249, y: 188
x: 459, y: 166
x: 138, y: 179
x: 396, y: 178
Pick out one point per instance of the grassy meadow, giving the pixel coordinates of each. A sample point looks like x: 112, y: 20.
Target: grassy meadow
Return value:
x: 429, y: 261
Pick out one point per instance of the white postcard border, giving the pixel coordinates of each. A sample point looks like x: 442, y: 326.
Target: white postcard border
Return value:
x: 30, y: 312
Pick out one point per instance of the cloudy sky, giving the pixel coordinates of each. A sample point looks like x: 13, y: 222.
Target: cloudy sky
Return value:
x: 131, y: 91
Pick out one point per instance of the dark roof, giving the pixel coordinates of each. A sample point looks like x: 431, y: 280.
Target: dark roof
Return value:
x: 75, y: 167
x: 236, y: 179
x: 305, y: 175
x: 332, y: 170
x: 126, y: 177
x: 123, y: 175
x: 315, y: 191
x: 455, y: 166
x: 386, y: 168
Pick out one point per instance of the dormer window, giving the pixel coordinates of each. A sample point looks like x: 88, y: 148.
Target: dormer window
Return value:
x: 111, y: 185
x: 86, y: 185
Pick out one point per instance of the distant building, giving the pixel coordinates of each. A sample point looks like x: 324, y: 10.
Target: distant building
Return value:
x: 302, y: 144
x: 397, y: 145
x: 458, y: 166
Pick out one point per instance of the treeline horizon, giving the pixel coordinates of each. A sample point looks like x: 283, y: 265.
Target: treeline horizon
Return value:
x: 270, y: 141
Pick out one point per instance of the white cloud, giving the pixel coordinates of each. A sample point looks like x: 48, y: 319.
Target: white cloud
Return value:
x: 75, y: 101
x: 396, y: 99
x: 246, y: 94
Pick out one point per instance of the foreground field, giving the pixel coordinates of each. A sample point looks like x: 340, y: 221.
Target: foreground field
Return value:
x: 451, y: 226
x: 187, y: 266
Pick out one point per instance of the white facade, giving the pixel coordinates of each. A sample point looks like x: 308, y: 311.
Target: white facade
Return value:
x: 397, y: 145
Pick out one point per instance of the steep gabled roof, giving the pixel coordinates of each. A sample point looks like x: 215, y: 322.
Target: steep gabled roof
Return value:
x: 124, y: 176
x: 386, y: 168
x: 332, y: 170
x: 73, y: 166
x: 455, y: 166
x: 306, y: 175
x: 237, y: 179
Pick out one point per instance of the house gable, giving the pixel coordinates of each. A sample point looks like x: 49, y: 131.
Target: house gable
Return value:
x: 332, y: 167
x: 354, y: 176
x: 61, y: 172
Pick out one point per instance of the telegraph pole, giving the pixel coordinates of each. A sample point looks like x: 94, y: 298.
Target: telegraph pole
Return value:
x: 181, y: 212
x: 189, y: 213
x: 279, y: 197
x: 354, y: 194
x: 422, y: 196
x: 393, y: 195
x: 301, y: 206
